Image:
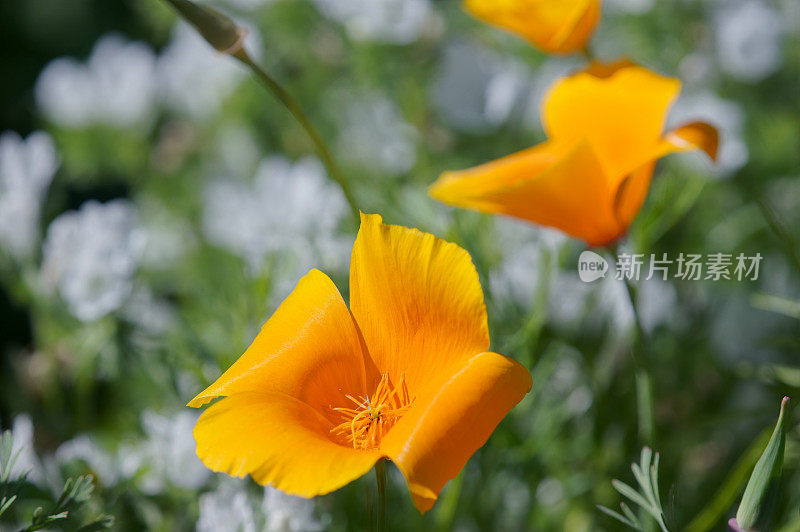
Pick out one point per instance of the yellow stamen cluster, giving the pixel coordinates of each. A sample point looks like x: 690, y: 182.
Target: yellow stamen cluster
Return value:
x: 372, y: 417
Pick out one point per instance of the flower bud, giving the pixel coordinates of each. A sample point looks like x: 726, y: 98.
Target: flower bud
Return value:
x: 762, y: 487
x: 218, y: 29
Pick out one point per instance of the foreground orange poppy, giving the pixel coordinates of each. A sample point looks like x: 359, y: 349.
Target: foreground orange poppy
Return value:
x: 324, y: 392
x: 592, y: 175
x: 554, y: 26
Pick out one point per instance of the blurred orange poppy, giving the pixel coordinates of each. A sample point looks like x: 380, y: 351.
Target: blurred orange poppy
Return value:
x: 324, y: 392
x: 554, y: 26
x: 591, y: 177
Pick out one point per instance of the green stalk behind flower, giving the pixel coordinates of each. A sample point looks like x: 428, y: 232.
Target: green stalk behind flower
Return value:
x: 221, y: 32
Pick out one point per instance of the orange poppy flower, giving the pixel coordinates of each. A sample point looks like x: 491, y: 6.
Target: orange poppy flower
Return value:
x: 324, y: 392
x: 591, y: 177
x: 554, y: 26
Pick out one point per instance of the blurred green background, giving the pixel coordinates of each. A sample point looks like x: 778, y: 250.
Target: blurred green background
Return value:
x: 156, y: 205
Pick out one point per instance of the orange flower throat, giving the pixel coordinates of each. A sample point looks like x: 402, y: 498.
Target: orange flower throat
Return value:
x: 372, y: 417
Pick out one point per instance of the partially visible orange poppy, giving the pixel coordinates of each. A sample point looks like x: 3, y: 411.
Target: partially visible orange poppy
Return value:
x: 554, y: 26
x: 324, y: 392
x: 592, y: 175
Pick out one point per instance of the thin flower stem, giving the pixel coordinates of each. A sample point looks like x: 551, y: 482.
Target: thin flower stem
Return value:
x: 380, y: 477
x: 644, y: 381
x: 294, y: 107
x: 642, y: 374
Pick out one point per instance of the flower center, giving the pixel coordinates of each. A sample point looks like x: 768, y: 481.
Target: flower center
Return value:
x: 366, y: 423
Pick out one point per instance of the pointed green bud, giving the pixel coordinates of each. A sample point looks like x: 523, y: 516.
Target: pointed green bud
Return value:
x: 218, y: 29
x: 762, y: 487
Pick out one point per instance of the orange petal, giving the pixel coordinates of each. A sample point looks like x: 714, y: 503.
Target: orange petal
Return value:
x: 634, y: 188
x: 545, y: 185
x: 308, y: 349
x: 579, y: 25
x: 620, y: 108
x: 632, y: 193
x: 555, y: 26
x: 452, y: 419
x: 693, y: 136
x: 474, y: 188
x: 417, y: 300
x: 279, y: 441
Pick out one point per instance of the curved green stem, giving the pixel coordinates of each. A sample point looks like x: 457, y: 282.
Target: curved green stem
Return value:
x: 293, y: 106
x: 221, y: 32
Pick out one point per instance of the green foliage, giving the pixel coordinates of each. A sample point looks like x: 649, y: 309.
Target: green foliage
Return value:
x: 75, y: 494
x: 715, y: 510
x: 647, y: 497
x: 720, y: 352
x: 5, y: 503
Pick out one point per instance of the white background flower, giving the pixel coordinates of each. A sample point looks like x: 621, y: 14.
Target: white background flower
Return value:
x: 375, y: 136
x: 748, y: 39
x: 195, y: 79
x: 116, y: 86
x: 26, y: 169
x: 396, y: 21
x: 90, y: 256
x: 167, y: 455
x: 288, y: 206
x: 477, y: 89
x: 227, y: 509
